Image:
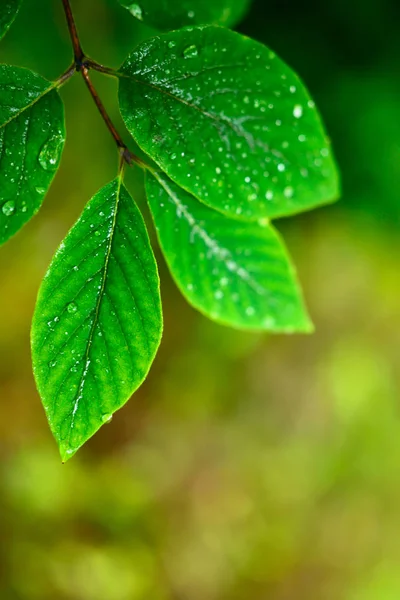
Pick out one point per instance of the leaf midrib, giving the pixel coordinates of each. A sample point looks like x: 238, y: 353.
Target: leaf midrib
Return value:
x: 203, y: 112
x: 78, y: 395
x: 28, y: 106
x: 225, y: 254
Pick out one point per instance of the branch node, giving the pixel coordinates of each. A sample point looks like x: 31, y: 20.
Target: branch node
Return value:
x: 82, y: 64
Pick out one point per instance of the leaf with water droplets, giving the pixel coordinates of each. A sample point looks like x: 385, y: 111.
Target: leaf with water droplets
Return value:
x: 229, y: 122
x: 8, y: 11
x: 97, y: 323
x: 166, y: 15
x: 235, y: 272
x: 32, y: 136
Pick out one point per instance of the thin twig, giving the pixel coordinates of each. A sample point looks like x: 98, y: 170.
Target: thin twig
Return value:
x: 73, y: 32
x: 126, y: 154
x: 82, y: 64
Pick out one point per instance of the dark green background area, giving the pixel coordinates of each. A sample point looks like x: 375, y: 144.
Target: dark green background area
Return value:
x: 246, y: 466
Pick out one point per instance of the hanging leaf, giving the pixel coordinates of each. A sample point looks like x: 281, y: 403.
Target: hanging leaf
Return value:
x: 234, y: 272
x: 98, y: 323
x: 166, y: 15
x: 229, y: 122
x: 32, y: 136
x: 8, y: 11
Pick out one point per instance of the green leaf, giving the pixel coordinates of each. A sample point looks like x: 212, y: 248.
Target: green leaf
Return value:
x: 234, y: 272
x: 97, y: 323
x: 32, y: 136
x: 8, y: 11
x: 228, y: 121
x: 166, y: 15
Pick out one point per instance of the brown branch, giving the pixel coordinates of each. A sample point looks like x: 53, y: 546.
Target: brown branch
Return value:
x: 79, y: 55
x: 83, y: 64
x: 126, y: 154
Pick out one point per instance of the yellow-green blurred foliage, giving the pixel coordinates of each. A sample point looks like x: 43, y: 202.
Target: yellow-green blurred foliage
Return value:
x: 247, y: 466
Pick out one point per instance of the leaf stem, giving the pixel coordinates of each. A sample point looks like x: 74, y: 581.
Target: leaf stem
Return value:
x: 66, y: 76
x: 83, y: 64
x: 92, y: 64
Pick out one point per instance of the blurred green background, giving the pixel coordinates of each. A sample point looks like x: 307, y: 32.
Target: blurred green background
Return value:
x: 247, y: 466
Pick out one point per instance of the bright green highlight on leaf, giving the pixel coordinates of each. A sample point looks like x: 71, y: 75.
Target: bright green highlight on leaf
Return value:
x: 8, y: 11
x: 235, y: 272
x: 98, y: 323
x: 32, y: 136
x: 166, y: 14
x: 228, y: 121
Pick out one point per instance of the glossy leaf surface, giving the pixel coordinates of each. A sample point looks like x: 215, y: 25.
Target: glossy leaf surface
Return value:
x: 228, y: 121
x: 235, y: 272
x: 97, y: 323
x: 166, y: 15
x: 32, y: 136
x: 8, y: 11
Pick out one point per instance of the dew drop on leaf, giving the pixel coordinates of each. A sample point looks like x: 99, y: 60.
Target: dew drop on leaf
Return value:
x: 136, y: 11
x: 72, y: 308
x: 8, y: 208
x: 50, y: 153
x: 288, y: 192
x: 107, y: 418
x: 298, y: 111
x: 190, y: 52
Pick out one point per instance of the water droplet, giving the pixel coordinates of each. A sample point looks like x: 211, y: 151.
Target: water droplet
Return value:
x: 40, y: 190
x: 298, y: 111
x: 52, y: 364
x: 72, y: 308
x: 8, y: 208
x: 191, y: 14
x: 136, y: 11
x: 107, y: 418
x: 288, y: 191
x: 171, y: 44
x: 190, y: 52
x: 269, y: 195
x: 50, y: 153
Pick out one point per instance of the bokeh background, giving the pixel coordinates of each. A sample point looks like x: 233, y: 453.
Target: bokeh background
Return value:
x: 246, y: 466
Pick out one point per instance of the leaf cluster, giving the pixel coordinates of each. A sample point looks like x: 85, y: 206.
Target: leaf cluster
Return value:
x: 235, y: 141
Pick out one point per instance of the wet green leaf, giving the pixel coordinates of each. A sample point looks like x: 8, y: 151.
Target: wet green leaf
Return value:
x: 32, y: 136
x: 8, y: 11
x: 166, y: 15
x: 235, y: 272
x: 97, y: 324
x: 228, y: 121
